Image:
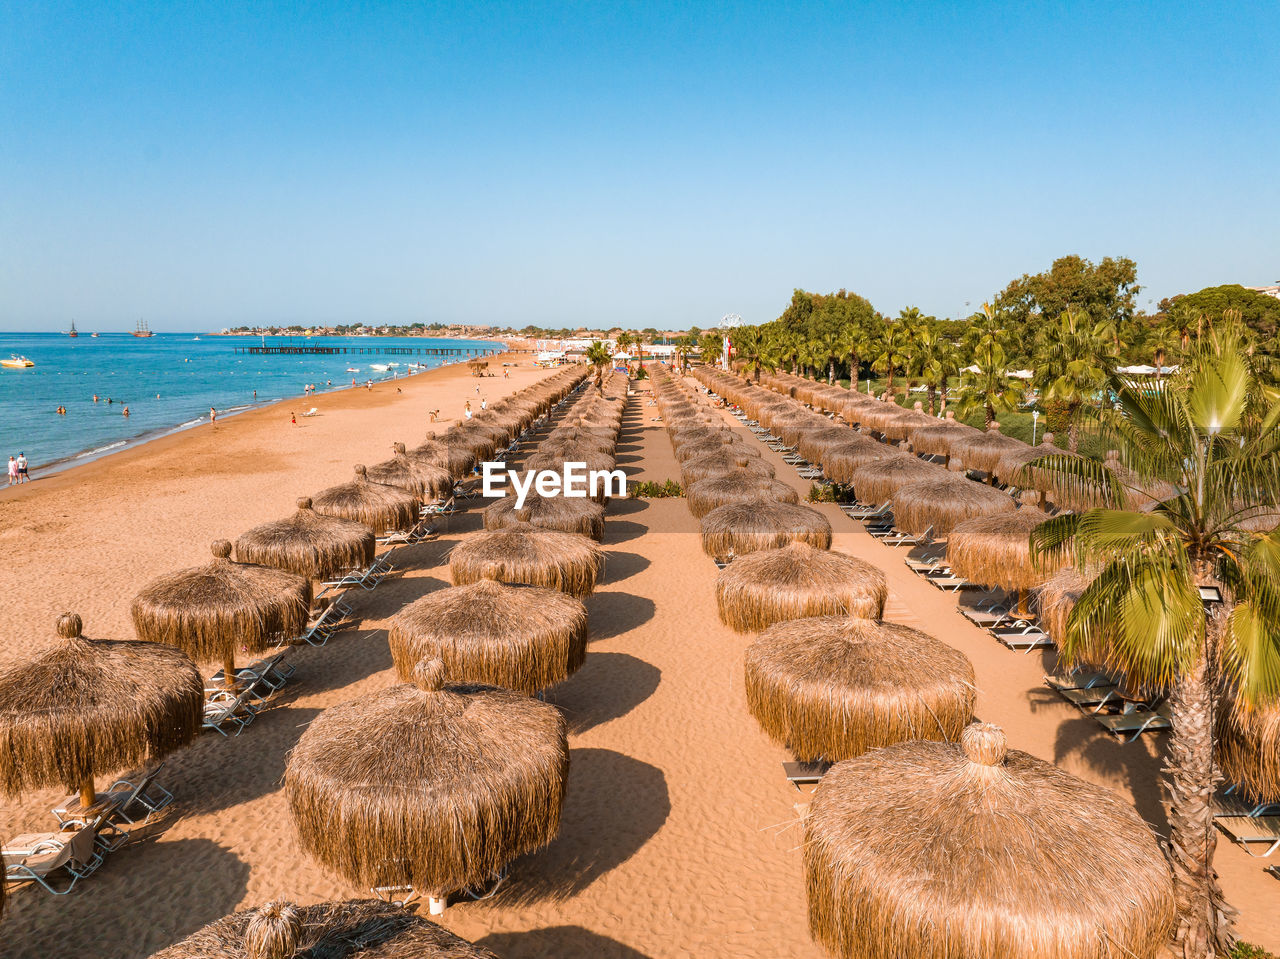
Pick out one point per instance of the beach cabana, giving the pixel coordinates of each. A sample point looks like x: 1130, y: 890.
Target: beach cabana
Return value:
x: 795, y: 582
x: 308, y: 544
x: 995, y: 551
x: 935, y: 505
x: 211, y: 612
x: 738, y: 486
x: 524, y: 553
x: 832, y: 687
x: 423, y: 481
x: 940, y: 850
x: 740, y: 528
x: 578, y: 515
x: 356, y: 929
x: 526, y: 638
x: 428, y: 788
x: 380, y: 507
x: 89, y: 707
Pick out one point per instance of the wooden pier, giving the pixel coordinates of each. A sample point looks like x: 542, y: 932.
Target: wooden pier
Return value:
x: 373, y: 350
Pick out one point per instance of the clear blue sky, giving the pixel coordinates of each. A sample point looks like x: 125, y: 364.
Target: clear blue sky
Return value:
x: 209, y: 164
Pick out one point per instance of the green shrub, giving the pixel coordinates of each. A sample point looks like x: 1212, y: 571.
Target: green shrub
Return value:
x: 647, y: 489
x: 830, y: 493
x: 1247, y: 950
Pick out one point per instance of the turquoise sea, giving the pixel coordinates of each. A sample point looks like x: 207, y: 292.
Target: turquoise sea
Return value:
x: 168, y: 381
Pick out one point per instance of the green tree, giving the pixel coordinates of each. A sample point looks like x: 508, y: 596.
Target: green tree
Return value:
x: 625, y: 340
x: 1260, y: 313
x: 751, y: 349
x: 1072, y: 361
x: 710, y: 346
x: 934, y: 361
x: 1212, y: 434
x: 598, y: 355
x: 891, y: 349
x: 986, y: 384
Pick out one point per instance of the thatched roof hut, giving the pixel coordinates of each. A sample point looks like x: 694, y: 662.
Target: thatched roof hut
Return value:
x: 576, y: 515
x: 524, y: 553
x: 1247, y: 748
x: 356, y: 929
x: 738, y: 486
x: 996, y: 551
x: 519, y: 637
x: 88, y: 707
x: 740, y: 528
x: 794, y: 582
x: 427, y: 482
x: 879, y: 480
x: 308, y: 544
x: 434, y: 452
x: 210, y: 612
x: 428, y: 785
x: 942, y: 851
x: 935, y: 505
x: 376, y: 505
x: 727, y: 460
x: 984, y: 451
x: 832, y: 687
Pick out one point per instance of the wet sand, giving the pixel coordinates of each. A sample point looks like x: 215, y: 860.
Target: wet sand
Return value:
x: 679, y: 836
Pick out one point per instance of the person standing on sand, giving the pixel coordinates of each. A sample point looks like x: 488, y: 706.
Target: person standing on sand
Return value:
x: 13, y: 471
x: 506, y: 373
x: 484, y: 403
x: 293, y: 418
x: 23, y: 475
x: 213, y: 416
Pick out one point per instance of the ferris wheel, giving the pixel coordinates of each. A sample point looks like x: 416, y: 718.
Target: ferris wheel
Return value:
x: 730, y: 321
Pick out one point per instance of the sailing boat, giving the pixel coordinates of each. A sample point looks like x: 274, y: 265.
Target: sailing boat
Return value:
x: 72, y: 331
x: 142, y: 329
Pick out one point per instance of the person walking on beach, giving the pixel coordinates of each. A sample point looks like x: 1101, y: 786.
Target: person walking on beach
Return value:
x: 506, y: 373
x: 213, y: 416
x: 466, y: 413
x: 24, y: 475
x: 293, y: 418
x: 484, y: 402
x: 13, y: 471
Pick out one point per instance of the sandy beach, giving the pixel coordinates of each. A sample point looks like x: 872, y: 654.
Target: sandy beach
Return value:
x: 679, y: 836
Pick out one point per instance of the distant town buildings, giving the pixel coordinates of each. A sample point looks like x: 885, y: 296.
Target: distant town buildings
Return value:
x: 1266, y: 290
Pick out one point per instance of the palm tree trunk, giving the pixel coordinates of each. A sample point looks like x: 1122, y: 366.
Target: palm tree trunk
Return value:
x: 933, y: 398
x: 1204, y: 918
x: 831, y: 371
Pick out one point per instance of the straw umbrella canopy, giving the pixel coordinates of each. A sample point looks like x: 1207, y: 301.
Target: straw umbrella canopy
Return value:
x: 308, y: 544
x: 740, y: 528
x: 434, y: 452
x: 355, y: 929
x: 840, y: 462
x: 524, y: 553
x: 576, y: 515
x: 1054, y: 599
x: 879, y: 480
x: 832, y: 687
x: 937, y: 438
x: 554, y: 459
x: 967, y: 851
x: 726, y: 460
x: 937, y: 504
x: 376, y: 505
x: 995, y: 550
x: 795, y: 582
x: 738, y: 486
x: 91, y: 706
x: 428, y: 785
x: 210, y: 612
x: 477, y: 444
x: 520, y: 637
x: 706, y: 447
x: 984, y: 451
x: 423, y: 481
x: 816, y: 442
x: 1247, y: 748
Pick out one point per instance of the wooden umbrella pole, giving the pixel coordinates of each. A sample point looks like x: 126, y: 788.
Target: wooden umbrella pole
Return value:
x: 1024, y: 610
x: 88, y: 795
x: 229, y: 672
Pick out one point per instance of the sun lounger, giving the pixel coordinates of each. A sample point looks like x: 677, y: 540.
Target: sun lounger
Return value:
x: 40, y: 857
x: 1128, y: 726
x: 926, y: 566
x: 986, y: 618
x: 1079, y: 679
x: 952, y: 584
x: 804, y: 774
x: 118, y: 802
x: 312, y: 412
x: 424, y: 530
x: 897, y: 537
x: 1250, y: 832
x: 222, y: 710
x: 1092, y: 699
x: 445, y: 508
x: 262, y: 678
x: 366, y: 578
x: 1023, y: 640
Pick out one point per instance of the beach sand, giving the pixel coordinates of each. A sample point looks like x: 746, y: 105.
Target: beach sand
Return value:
x: 679, y: 837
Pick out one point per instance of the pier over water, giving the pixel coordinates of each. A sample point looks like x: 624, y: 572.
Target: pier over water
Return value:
x: 374, y: 350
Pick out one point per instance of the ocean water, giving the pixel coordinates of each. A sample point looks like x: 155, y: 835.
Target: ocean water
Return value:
x: 168, y: 381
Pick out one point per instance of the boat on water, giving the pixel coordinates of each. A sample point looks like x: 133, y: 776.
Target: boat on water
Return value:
x: 380, y: 367
x: 94, y: 335
x: 142, y: 329
x: 353, y: 369
x: 16, y: 362
x: 72, y: 331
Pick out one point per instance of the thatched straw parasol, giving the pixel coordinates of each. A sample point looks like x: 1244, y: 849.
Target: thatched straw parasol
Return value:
x: 832, y: 687
x: 1247, y: 749
x: 937, y: 438
x: 794, y: 582
x: 943, y: 851
x: 984, y: 451
x: 426, y: 785
x: 477, y: 444
x: 520, y: 637
x: 1056, y: 597
x: 739, y: 486
x: 308, y: 543
x: 434, y: 452
x: 723, y: 461
x: 523, y: 553
x: 210, y: 612
x: 740, y: 528
x: 817, y: 441
x: 707, y: 447
x: 356, y: 929
x: 575, y: 515
x: 840, y: 462
x: 377, y: 505
x: 423, y: 481
x: 937, y: 504
x: 996, y: 551
x: 879, y: 480
x: 93, y: 706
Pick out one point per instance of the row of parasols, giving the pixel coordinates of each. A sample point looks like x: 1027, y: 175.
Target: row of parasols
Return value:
x: 928, y: 836
x: 395, y: 789
x: 987, y: 538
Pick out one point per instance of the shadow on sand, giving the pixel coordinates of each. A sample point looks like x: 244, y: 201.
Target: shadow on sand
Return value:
x: 612, y: 614
x: 620, y: 565
x: 609, y: 685
x: 560, y: 942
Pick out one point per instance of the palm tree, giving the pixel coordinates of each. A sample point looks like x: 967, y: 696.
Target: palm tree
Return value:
x: 625, y: 341
x: 598, y: 355
x: 987, y: 385
x: 1073, y: 359
x: 750, y: 347
x: 934, y: 362
x: 890, y: 350
x: 825, y: 349
x: 1212, y: 433
x: 710, y: 346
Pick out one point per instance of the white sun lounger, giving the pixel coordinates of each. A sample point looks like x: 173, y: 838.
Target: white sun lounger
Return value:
x: 805, y: 774
x: 1250, y: 832
x: 222, y: 710
x: 40, y: 857
x: 118, y: 802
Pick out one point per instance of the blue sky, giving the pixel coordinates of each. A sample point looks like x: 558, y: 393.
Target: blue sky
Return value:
x: 640, y: 164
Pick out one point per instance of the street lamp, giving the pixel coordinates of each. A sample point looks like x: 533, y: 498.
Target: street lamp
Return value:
x: 1035, y: 418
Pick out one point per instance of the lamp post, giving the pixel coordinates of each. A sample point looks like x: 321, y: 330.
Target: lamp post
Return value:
x: 1035, y: 418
